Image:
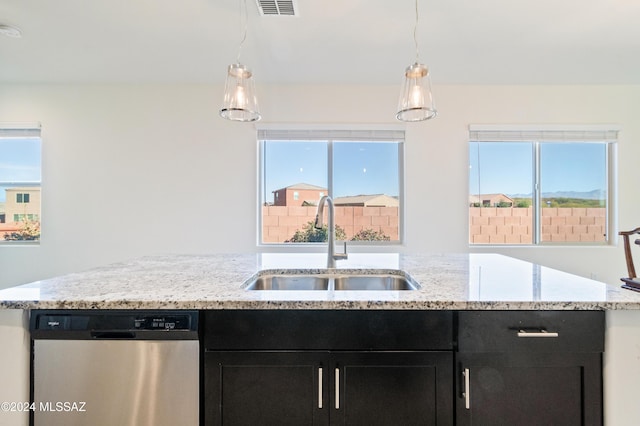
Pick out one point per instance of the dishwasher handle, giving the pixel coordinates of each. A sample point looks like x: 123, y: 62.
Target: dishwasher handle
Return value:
x: 107, y: 335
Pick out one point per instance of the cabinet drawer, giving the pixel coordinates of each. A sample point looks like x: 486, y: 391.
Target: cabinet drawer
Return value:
x: 324, y: 330
x: 531, y: 331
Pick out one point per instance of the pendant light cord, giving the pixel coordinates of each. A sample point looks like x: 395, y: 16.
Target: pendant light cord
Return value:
x: 415, y: 30
x: 246, y: 24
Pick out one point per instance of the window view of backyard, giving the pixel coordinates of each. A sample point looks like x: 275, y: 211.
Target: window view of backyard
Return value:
x: 362, y: 177
x: 19, y: 188
x: 570, y: 204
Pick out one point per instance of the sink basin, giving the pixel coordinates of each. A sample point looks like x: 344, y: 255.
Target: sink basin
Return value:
x: 290, y: 282
x: 374, y: 282
x: 334, y: 281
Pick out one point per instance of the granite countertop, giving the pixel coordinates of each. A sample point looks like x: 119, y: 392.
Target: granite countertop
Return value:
x: 447, y: 282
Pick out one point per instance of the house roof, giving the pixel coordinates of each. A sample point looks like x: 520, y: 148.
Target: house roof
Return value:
x: 303, y: 186
x: 476, y: 198
x: 22, y: 188
x: 369, y: 200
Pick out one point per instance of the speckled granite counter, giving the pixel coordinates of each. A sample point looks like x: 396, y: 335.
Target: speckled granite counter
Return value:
x: 447, y: 281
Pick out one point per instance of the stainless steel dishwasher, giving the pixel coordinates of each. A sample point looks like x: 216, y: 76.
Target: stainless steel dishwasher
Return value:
x: 108, y: 368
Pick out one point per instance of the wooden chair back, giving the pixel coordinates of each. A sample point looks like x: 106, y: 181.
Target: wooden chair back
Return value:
x: 631, y: 281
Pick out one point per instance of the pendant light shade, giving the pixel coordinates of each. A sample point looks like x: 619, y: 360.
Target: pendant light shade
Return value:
x: 416, y: 99
x: 240, y: 102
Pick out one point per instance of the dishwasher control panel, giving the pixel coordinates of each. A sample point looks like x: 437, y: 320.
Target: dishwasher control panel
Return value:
x: 138, y: 324
x: 160, y: 322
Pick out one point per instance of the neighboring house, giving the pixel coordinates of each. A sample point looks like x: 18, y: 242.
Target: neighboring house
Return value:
x: 298, y: 195
x: 22, y: 204
x: 489, y: 200
x: 373, y: 200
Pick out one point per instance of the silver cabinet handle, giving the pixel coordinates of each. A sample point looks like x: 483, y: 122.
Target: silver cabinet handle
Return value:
x: 337, y: 388
x: 466, y: 393
x: 320, y: 387
x: 541, y: 333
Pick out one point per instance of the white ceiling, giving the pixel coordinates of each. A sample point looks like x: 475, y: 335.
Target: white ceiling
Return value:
x: 331, y: 41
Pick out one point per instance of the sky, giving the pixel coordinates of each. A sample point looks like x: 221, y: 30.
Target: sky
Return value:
x: 363, y: 167
x: 505, y: 167
x: 19, y: 162
x: 358, y: 167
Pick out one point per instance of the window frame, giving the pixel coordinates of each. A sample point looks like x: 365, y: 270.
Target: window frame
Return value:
x: 23, y: 131
x: 329, y: 134
x: 537, y: 135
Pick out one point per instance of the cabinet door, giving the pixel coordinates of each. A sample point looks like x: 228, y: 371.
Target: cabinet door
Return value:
x: 265, y: 388
x: 392, y: 388
x: 529, y: 389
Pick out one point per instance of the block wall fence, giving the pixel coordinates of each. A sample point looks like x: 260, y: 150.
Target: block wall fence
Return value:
x: 279, y: 223
x: 487, y: 225
x: 513, y: 225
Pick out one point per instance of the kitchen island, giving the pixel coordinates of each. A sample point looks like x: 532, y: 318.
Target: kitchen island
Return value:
x: 447, y: 282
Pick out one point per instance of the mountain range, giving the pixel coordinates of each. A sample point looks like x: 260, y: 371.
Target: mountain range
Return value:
x: 595, y: 194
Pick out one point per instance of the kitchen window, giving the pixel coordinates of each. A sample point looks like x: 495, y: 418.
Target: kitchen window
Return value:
x: 541, y: 186
x: 360, y: 169
x: 20, y: 180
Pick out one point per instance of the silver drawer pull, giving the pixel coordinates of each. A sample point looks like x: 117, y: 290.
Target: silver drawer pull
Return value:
x: 320, y: 387
x: 541, y: 333
x: 337, y: 388
x: 467, y: 390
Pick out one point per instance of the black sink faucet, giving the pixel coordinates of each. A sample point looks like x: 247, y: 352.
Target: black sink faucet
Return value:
x: 331, y: 254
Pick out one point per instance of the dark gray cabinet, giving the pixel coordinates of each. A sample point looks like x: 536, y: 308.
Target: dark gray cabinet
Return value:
x: 266, y: 388
x: 328, y: 367
x: 529, y: 368
x: 277, y: 367
x: 387, y: 388
x: 319, y: 388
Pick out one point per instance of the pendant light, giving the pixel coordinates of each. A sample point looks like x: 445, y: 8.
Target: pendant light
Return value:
x: 240, y: 102
x: 416, y: 100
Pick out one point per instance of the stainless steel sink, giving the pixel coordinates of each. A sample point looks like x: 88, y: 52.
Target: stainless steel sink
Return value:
x: 290, y: 282
x: 374, y: 283
x: 334, y: 281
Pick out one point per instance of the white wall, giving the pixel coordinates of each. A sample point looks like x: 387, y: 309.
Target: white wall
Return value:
x: 130, y: 170
x: 14, y: 366
x: 621, y: 368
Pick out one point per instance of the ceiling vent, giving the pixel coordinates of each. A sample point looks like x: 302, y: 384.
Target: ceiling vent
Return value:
x: 277, y: 7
